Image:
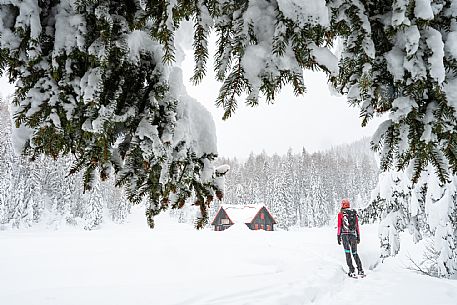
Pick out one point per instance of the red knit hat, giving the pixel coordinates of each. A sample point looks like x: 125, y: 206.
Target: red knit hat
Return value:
x: 345, y: 204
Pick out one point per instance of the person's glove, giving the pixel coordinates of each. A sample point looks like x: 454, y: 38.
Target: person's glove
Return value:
x: 339, y: 239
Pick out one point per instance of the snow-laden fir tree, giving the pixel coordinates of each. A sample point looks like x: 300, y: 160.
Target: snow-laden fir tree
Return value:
x: 320, y: 205
x: 440, y: 207
x: 427, y: 209
x: 93, y: 80
x: 118, y: 210
x: 392, y: 195
x: 93, y: 209
x: 285, y: 208
x: 398, y: 58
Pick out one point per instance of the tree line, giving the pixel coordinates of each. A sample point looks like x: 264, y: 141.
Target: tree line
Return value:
x: 303, y: 189
x: 42, y: 191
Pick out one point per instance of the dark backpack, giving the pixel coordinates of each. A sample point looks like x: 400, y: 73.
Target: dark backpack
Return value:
x: 349, y: 220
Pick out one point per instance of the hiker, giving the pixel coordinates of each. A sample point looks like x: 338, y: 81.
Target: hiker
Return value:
x: 349, y: 234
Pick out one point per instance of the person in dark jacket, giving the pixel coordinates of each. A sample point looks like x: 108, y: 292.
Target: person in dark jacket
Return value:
x: 349, y: 234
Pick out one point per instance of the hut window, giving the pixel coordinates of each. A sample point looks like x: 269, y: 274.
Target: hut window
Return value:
x: 225, y: 221
x: 268, y: 228
x: 256, y: 226
x: 262, y: 216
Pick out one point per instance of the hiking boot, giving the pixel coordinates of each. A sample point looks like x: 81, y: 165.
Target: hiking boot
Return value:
x: 352, y: 274
x: 361, y: 273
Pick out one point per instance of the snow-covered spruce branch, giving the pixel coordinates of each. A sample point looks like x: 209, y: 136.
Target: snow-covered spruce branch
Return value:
x: 94, y: 79
x: 425, y: 209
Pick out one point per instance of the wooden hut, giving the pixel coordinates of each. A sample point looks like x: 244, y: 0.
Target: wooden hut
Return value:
x: 256, y: 217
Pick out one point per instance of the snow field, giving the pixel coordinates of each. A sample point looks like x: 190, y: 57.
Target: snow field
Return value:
x: 175, y: 264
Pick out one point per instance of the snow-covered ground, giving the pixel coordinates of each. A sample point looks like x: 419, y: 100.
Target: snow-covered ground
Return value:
x: 175, y: 264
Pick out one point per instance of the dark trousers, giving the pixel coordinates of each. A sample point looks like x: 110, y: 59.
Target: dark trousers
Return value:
x: 350, y: 245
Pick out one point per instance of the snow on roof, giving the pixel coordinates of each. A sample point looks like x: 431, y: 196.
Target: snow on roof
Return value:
x: 242, y: 213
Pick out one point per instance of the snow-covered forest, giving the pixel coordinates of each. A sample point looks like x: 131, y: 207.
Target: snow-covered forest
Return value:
x: 42, y: 192
x: 304, y: 189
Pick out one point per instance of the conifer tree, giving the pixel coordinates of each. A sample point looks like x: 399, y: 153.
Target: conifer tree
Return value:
x: 93, y: 80
x: 93, y: 209
x: 441, y: 222
x: 399, y: 58
x: 394, y: 194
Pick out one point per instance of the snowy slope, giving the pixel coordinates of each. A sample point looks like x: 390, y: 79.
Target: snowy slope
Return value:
x: 175, y: 264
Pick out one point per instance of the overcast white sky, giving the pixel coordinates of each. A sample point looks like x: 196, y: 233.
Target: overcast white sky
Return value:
x: 315, y: 121
x: 5, y: 87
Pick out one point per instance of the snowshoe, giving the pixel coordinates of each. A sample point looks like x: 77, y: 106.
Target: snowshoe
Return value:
x: 352, y: 274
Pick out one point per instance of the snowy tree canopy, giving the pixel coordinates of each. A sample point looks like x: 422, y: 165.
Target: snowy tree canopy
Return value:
x: 97, y: 79
x: 395, y: 57
x: 92, y: 80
